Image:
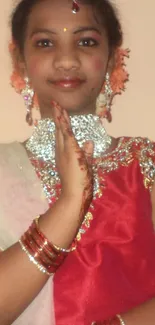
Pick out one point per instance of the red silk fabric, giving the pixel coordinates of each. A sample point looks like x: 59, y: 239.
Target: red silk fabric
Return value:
x: 113, y: 267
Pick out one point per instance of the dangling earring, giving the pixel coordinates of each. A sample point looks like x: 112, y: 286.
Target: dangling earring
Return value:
x: 28, y: 94
x: 104, y: 100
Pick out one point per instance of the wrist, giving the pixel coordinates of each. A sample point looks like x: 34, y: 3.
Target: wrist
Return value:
x: 71, y: 196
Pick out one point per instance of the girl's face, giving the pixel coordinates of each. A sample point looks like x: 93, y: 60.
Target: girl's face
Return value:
x: 65, y: 56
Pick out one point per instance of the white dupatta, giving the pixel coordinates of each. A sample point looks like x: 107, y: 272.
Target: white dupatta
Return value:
x: 21, y: 200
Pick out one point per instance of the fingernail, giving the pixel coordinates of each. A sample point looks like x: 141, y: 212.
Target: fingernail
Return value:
x: 53, y: 103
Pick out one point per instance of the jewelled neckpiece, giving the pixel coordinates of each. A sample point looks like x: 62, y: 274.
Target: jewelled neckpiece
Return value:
x: 85, y: 127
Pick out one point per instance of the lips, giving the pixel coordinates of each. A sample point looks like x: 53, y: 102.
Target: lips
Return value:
x: 68, y: 83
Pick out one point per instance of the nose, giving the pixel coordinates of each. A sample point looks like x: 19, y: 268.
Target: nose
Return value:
x: 66, y: 59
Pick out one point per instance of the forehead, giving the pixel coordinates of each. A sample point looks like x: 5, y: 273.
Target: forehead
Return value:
x: 58, y: 14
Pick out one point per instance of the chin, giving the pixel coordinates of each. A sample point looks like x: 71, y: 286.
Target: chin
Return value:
x: 72, y: 108
x: 75, y: 107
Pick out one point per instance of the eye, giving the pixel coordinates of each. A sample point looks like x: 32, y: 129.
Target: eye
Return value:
x: 88, y: 42
x: 44, y: 43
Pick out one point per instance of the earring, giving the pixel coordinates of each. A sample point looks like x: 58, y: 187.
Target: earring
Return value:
x: 103, y: 103
x: 28, y: 95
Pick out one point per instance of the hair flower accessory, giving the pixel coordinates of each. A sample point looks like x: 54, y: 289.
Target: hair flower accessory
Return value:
x: 114, y: 84
x: 119, y: 75
x: 17, y: 82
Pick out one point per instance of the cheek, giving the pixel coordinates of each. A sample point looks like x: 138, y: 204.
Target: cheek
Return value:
x: 97, y: 68
x: 34, y: 66
x: 98, y: 65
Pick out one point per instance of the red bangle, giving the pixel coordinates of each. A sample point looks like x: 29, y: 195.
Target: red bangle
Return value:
x: 46, y: 248
x: 36, y: 248
x: 53, y: 247
x: 40, y: 251
x: 48, y: 267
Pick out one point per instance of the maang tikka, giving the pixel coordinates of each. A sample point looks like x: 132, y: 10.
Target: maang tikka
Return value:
x: 75, y: 7
x: 104, y: 100
x: 28, y: 94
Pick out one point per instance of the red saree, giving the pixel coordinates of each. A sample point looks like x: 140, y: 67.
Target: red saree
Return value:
x: 113, y: 267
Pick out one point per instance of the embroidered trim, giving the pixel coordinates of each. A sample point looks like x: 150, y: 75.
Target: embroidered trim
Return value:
x: 129, y: 149
x: 147, y: 163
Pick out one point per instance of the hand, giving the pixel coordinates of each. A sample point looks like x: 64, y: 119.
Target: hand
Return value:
x: 73, y: 163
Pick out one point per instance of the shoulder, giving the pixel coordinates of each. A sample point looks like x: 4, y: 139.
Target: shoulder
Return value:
x: 137, y: 143
x: 10, y: 154
x: 7, y: 148
x: 139, y: 147
x: 142, y: 150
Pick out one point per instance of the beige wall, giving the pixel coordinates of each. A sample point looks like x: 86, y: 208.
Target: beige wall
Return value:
x: 133, y: 112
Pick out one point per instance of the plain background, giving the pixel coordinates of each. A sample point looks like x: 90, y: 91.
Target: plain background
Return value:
x: 133, y: 112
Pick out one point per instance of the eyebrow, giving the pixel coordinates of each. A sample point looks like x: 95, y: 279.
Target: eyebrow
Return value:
x: 85, y: 29
x: 42, y: 30
x: 79, y: 30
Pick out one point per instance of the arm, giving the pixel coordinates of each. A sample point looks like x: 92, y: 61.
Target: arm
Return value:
x: 60, y: 225
x: 20, y: 280
x: 141, y: 315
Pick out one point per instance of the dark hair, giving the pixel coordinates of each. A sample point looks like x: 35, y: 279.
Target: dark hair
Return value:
x: 103, y: 8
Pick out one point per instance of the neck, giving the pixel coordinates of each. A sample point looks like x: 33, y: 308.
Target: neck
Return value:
x: 46, y: 110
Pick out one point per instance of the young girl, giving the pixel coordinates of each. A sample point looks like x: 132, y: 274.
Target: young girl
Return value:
x: 89, y: 255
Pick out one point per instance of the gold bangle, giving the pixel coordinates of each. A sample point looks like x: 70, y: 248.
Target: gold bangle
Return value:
x: 63, y: 250
x: 120, y: 319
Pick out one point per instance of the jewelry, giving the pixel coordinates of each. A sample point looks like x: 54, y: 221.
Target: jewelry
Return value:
x: 104, y: 100
x: 42, y: 147
x: 40, y: 251
x: 118, y: 78
x: 28, y: 94
x: 75, y: 7
x: 120, y: 319
x: 55, y: 247
x: 117, y: 320
x: 85, y: 128
x: 32, y: 259
x: 65, y: 29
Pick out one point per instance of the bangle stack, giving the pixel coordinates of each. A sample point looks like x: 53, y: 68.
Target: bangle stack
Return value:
x: 46, y: 256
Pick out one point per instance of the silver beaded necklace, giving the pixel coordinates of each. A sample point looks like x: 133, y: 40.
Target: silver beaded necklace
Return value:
x: 85, y: 127
x: 41, y: 145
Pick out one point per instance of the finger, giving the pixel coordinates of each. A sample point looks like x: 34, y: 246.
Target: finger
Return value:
x: 65, y: 125
x: 66, y: 116
x: 62, y: 121
x: 59, y: 141
x: 56, y: 113
x: 88, y: 149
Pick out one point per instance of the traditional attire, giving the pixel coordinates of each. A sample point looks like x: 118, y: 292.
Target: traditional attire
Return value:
x: 113, y: 267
